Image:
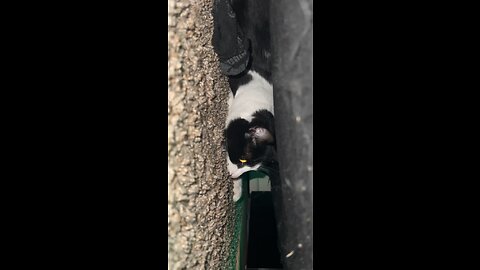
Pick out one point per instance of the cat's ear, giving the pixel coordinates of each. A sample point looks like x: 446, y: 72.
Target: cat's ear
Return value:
x: 261, y: 134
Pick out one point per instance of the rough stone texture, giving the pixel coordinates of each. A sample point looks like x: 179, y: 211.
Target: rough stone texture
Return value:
x: 200, y: 206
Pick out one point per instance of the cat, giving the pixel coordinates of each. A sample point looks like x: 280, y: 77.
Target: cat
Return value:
x: 242, y: 42
x: 250, y: 132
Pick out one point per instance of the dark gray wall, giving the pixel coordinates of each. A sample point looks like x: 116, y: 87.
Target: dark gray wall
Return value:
x: 292, y: 45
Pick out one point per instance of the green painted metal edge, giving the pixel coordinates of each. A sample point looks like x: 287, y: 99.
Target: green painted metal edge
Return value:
x: 237, y: 259
x: 237, y: 256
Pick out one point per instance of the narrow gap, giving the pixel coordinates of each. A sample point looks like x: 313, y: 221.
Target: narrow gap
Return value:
x: 262, y: 249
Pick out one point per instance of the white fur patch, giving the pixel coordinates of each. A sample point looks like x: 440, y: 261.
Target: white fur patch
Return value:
x: 236, y: 172
x: 251, y: 97
x: 231, y: 167
x: 237, y: 189
x: 243, y: 170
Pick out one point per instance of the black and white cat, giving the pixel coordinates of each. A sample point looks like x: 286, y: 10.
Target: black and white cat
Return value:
x: 242, y: 41
x: 250, y: 133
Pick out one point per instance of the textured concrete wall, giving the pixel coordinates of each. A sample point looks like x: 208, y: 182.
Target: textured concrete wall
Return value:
x: 200, y: 208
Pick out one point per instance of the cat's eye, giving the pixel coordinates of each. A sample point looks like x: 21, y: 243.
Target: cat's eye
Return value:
x: 242, y: 160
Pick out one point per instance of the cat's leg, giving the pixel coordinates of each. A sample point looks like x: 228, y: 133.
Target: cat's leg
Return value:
x: 237, y: 182
x: 237, y: 189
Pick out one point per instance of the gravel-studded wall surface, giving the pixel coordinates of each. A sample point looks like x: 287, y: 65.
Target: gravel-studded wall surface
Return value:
x: 200, y: 206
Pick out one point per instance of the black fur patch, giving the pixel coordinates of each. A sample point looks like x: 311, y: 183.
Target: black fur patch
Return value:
x: 253, y: 18
x: 241, y: 147
x: 236, y: 141
x: 237, y: 81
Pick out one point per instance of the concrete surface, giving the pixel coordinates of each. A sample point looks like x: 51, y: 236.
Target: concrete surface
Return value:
x: 200, y: 206
x: 292, y: 46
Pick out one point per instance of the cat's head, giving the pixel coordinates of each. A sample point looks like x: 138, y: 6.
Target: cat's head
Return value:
x: 248, y: 145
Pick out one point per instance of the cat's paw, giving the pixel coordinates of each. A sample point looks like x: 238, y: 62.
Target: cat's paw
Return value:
x: 237, y: 189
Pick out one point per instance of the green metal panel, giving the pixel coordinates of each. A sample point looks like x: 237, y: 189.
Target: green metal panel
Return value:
x: 237, y: 258
x: 238, y: 248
